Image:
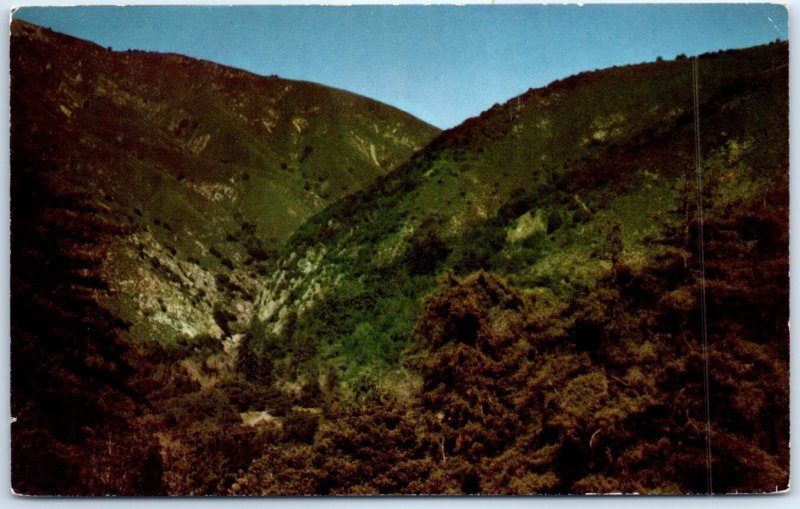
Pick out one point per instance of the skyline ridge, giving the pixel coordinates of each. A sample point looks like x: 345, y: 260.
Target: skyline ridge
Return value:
x: 440, y: 65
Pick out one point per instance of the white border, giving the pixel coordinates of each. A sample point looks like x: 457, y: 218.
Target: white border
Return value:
x: 7, y: 500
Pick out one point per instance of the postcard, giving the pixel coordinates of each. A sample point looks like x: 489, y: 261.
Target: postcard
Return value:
x: 399, y: 250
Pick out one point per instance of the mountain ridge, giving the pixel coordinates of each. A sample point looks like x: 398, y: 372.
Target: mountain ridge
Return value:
x: 218, y: 166
x: 450, y: 139
x: 530, y: 283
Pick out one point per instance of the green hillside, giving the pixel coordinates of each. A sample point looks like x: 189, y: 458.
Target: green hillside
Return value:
x: 533, y: 188
x: 212, y: 168
x: 149, y: 191
x: 581, y: 198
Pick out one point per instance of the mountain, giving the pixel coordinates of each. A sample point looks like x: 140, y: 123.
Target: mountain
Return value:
x: 582, y: 290
x: 210, y: 167
x: 148, y: 192
x: 577, y: 203
x: 532, y: 188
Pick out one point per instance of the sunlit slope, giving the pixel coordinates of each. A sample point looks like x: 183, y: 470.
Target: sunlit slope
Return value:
x: 535, y: 189
x: 228, y: 136
x: 211, y: 168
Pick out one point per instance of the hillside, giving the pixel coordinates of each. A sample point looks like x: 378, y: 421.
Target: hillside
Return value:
x: 532, y: 188
x: 148, y: 193
x: 225, y: 284
x: 210, y: 167
x: 578, y: 200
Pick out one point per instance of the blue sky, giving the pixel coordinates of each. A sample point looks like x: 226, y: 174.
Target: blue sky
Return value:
x: 440, y: 63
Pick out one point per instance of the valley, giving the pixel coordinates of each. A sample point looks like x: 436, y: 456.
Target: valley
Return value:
x: 228, y: 284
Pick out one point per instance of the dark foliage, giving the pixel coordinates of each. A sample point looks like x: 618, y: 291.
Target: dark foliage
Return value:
x: 426, y: 251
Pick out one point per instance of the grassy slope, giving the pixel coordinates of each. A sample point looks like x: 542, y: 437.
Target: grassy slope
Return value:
x: 213, y: 167
x: 564, y: 165
x: 204, y: 124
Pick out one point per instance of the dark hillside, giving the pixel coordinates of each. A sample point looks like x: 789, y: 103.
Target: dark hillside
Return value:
x: 148, y: 192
